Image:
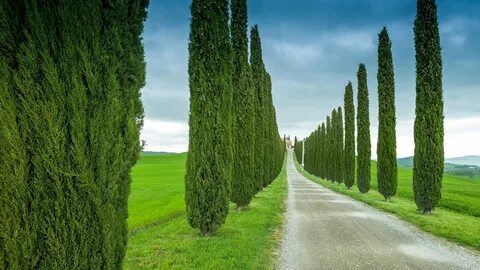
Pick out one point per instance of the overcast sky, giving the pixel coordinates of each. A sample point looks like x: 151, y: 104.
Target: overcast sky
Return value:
x: 312, y: 48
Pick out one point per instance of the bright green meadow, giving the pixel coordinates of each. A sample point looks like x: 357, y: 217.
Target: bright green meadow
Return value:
x: 161, y: 238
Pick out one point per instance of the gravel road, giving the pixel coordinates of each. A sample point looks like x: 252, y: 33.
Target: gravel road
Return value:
x: 326, y: 230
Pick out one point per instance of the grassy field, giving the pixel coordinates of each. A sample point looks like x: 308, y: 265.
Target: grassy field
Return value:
x: 160, y: 237
x: 457, y: 218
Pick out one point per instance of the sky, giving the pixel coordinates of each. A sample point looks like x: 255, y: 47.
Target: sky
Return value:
x: 312, y: 49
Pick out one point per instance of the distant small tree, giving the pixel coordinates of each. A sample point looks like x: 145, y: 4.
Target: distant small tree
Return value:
x: 386, y: 146
x: 363, y: 138
x: 429, y: 127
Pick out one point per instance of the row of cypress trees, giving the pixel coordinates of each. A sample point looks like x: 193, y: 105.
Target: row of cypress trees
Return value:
x: 234, y: 146
x: 330, y: 150
x: 323, y: 148
x: 69, y: 135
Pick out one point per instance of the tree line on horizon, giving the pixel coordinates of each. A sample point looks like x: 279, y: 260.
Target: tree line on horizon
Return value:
x: 235, y: 149
x: 71, y: 114
x: 330, y: 149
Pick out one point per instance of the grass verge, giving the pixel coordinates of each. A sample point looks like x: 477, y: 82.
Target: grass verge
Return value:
x: 456, y: 226
x: 246, y: 241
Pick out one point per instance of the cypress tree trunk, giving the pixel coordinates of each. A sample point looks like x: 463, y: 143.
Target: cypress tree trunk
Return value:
x: 349, y: 137
x: 386, y: 146
x: 428, y: 163
x: 207, y: 180
x: 243, y: 187
x: 363, y: 138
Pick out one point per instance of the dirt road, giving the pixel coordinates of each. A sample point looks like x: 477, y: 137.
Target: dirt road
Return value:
x: 326, y: 230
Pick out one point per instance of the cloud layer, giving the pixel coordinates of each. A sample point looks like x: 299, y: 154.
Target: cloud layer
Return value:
x: 312, y: 48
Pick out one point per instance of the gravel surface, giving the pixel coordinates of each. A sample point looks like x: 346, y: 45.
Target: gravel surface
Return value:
x: 326, y: 230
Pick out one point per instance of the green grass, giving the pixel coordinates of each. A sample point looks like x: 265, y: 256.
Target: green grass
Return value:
x: 456, y: 219
x: 156, y: 190
x: 161, y: 238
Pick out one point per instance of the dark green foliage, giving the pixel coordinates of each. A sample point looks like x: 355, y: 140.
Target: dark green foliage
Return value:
x: 349, y: 137
x: 334, y: 146
x: 258, y: 72
x: 363, y: 128
x: 207, y: 180
x: 323, y: 147
x: 339, y: 147
x: 71, y: 96
x: 387, y: 145
x: 243, y: 133
x: 429, y: 126
x: 269, y: 150
x: 297, y: 149
x: 329, y: 172
x: 14, y: 236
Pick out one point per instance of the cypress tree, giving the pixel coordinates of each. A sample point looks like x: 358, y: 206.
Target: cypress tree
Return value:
x: 363, y: 138
x: 323, y: 147
x: 243, y: 111
x: 334, y: 146
x: 257, y: 69
x: 271, y: 132
x: 349, y: 136
x: 328, y: 150
x: 317, y: 151
x: 207, y: 180
x: 428, y: 163
x: 386, y: 146
x: 340, y: 147
x: 78, y: 116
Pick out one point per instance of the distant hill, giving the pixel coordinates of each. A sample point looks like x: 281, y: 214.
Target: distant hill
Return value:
x: 457, y: 166
x: 466, y: 160
x: 405, y: 162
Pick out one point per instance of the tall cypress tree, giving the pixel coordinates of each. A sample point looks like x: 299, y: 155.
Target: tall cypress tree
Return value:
x: 323, y: 147
x: 334, y: 147
x: 257, y: 69
x: 386, y: 146
x: 363, y: 138
x: 329, y: 157
x: 428, y: 162
x: 349, y: 136
x: 78, y: 116
x: 243, y: 111
x: 340, y: 147
x: 207, y: 180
